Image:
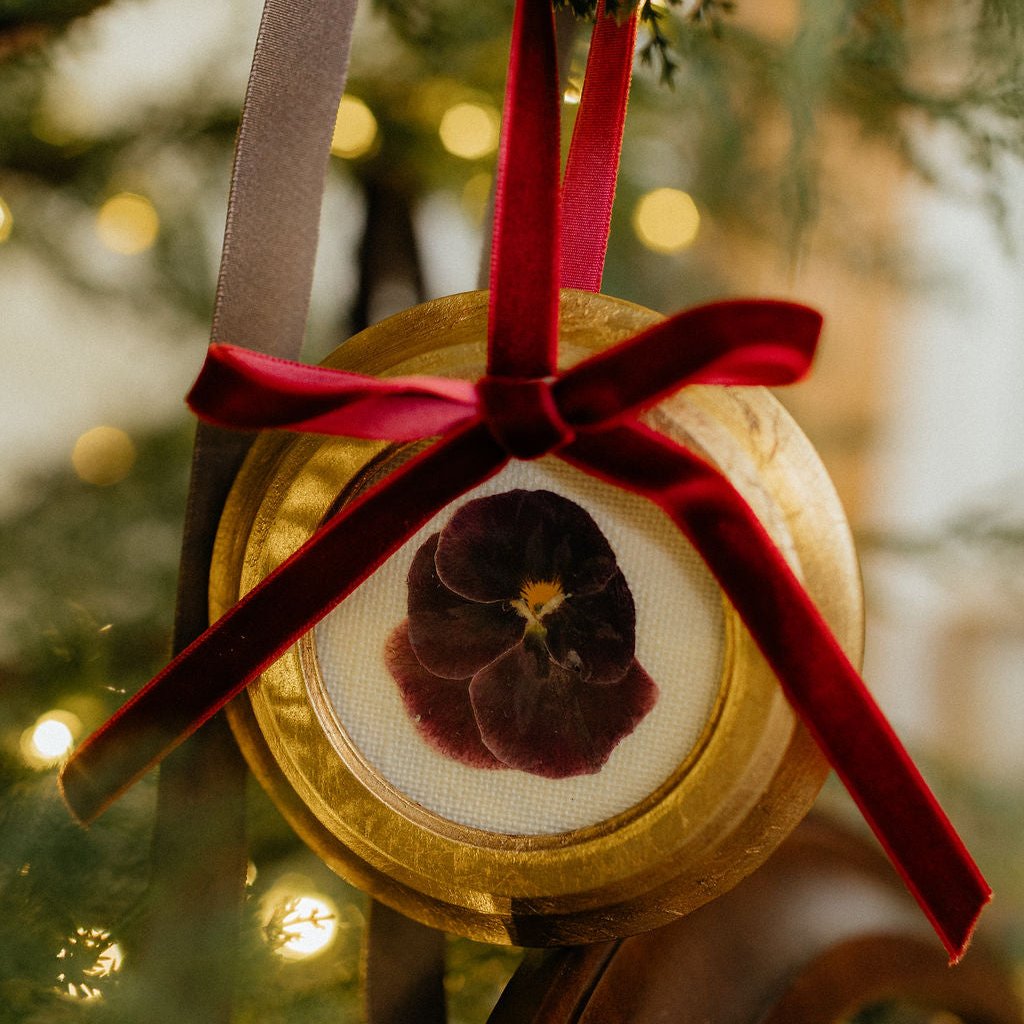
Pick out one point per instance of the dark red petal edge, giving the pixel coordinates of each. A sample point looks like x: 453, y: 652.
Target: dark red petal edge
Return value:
x: 542, y: 719
x: 439, y: 708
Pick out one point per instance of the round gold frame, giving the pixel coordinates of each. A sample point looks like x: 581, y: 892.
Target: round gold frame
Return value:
x: 752, y: 776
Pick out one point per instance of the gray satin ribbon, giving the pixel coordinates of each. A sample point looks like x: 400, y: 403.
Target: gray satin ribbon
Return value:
x: 284, y: 142
x: 187, y: 956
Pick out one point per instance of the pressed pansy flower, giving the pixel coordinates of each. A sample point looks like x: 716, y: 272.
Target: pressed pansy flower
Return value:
x: 519, y: 648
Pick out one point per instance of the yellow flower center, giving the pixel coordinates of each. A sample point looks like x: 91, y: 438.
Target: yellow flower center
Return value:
x: 537, y: 597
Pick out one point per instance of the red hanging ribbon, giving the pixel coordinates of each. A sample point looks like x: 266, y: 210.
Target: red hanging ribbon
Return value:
x: 592, y: 168
x: 816, y: 676
x: 586, y: 416
x: 522, y: 326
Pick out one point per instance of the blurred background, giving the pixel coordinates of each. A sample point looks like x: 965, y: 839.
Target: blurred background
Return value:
x: 862, y: 156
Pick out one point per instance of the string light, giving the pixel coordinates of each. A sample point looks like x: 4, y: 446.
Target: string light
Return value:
x: 127, y: 224
x: 299, y: 925
x: 666, y: 220
x: 310, y: 926
x: 87, y: 957
x: 6, y: 221
x: 355, y: 129
x: 470, y: 130
x: 50, y: 740
x: 103, y: 456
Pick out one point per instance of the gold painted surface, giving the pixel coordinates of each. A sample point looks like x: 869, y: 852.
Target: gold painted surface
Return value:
x: 746, y: 784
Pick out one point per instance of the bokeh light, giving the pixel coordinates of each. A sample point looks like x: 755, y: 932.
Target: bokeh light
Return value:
x: 355, y: 129
x: 311, y: 927
x: 47, y: 128
x: 299, y: 926
x: 87, y: 957
x: 66, y: 114
x: 470, y: 130
x: 127, y: 224
x: 50, y: 739
x: 107, y: 963
x: 476, y: 194
x: 666, y: 220
x: 6, y: 221
x: 103, y: 456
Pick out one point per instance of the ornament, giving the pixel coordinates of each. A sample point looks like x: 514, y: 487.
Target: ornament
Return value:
x: 702, y: 769
x: 626, y: 756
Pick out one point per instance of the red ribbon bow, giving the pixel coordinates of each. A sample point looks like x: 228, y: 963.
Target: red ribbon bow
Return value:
x: 586, y: 416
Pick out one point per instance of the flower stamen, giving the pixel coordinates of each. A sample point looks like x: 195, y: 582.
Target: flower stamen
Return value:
x: 537, y: 598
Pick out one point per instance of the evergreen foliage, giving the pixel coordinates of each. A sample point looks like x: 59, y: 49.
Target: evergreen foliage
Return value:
x: 87, y: 574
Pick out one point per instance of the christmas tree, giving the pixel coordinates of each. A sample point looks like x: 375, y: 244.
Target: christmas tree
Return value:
x: 765, y: 152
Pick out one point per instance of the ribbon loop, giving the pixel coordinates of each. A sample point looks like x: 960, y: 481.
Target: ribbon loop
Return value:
x: 522, y: 416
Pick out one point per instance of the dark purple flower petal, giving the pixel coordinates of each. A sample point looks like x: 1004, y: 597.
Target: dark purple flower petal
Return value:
x: 541, y: 718
x: 451, y: 636
x: 594, y: 635
x: 440, y: 708
x: 493, y: 546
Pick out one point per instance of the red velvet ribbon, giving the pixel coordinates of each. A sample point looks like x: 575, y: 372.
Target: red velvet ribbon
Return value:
x: 592, y: 167
x: 587, y: 416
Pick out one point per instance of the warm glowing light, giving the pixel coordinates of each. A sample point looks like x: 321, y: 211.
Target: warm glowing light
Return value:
x: 87, y: 956
x: 103, y: 456
x: 476, y: 194
x: 127, y: 223
x: 50, y: 739
x: 302, y: 926
x: 310, y: 927
x: 355, y: 129
x: 6, y: 221
x: 65, y: 115
x: 573, y: 92
x: 470, y: 130
x: 107, y: 963
x: 47, y: 128
x: 666, y: 220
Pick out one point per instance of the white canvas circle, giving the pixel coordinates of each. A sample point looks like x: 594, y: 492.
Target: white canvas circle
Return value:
x: 680, y: 641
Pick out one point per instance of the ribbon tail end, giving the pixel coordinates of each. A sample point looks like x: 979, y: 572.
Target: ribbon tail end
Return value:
x: 80, y: 794
x: 100, y: 772
x: 957, y: 939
